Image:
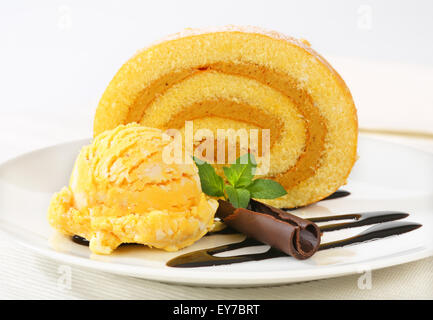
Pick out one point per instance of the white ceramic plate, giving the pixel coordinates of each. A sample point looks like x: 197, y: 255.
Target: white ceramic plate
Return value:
x: 386, y: 177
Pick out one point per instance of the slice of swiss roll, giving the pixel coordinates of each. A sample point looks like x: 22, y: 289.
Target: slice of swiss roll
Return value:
x: 234, y: 78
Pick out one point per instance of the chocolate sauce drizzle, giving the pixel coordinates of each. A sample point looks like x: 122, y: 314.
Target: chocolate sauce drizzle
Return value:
x: 385, y: 226
x: 205, y: 257
x: 360, y: 219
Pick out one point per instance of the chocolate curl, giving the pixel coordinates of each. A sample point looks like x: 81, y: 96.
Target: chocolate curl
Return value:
x: 294, y: 236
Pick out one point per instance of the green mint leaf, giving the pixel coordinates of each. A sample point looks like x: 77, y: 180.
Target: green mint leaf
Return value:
x: 211, y: 183
x: 266, y: 189
x: 230, y: 175
x: 241, y: 173
x: 239, y: 198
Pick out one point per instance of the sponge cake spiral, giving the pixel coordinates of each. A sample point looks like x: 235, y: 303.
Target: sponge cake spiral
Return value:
x: 245, y: 78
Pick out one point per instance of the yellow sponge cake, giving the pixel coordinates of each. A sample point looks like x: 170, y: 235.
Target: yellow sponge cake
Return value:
x: 245, y: 78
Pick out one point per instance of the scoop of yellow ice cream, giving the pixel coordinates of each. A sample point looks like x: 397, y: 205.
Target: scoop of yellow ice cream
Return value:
x: 122, y: 191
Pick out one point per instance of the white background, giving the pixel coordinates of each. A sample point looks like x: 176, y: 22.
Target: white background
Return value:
x: 56, y: 57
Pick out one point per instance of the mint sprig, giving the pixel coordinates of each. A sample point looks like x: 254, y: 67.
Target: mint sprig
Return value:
x: 241, y: 186
x: 241, y: 173
x: 238, y: 197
